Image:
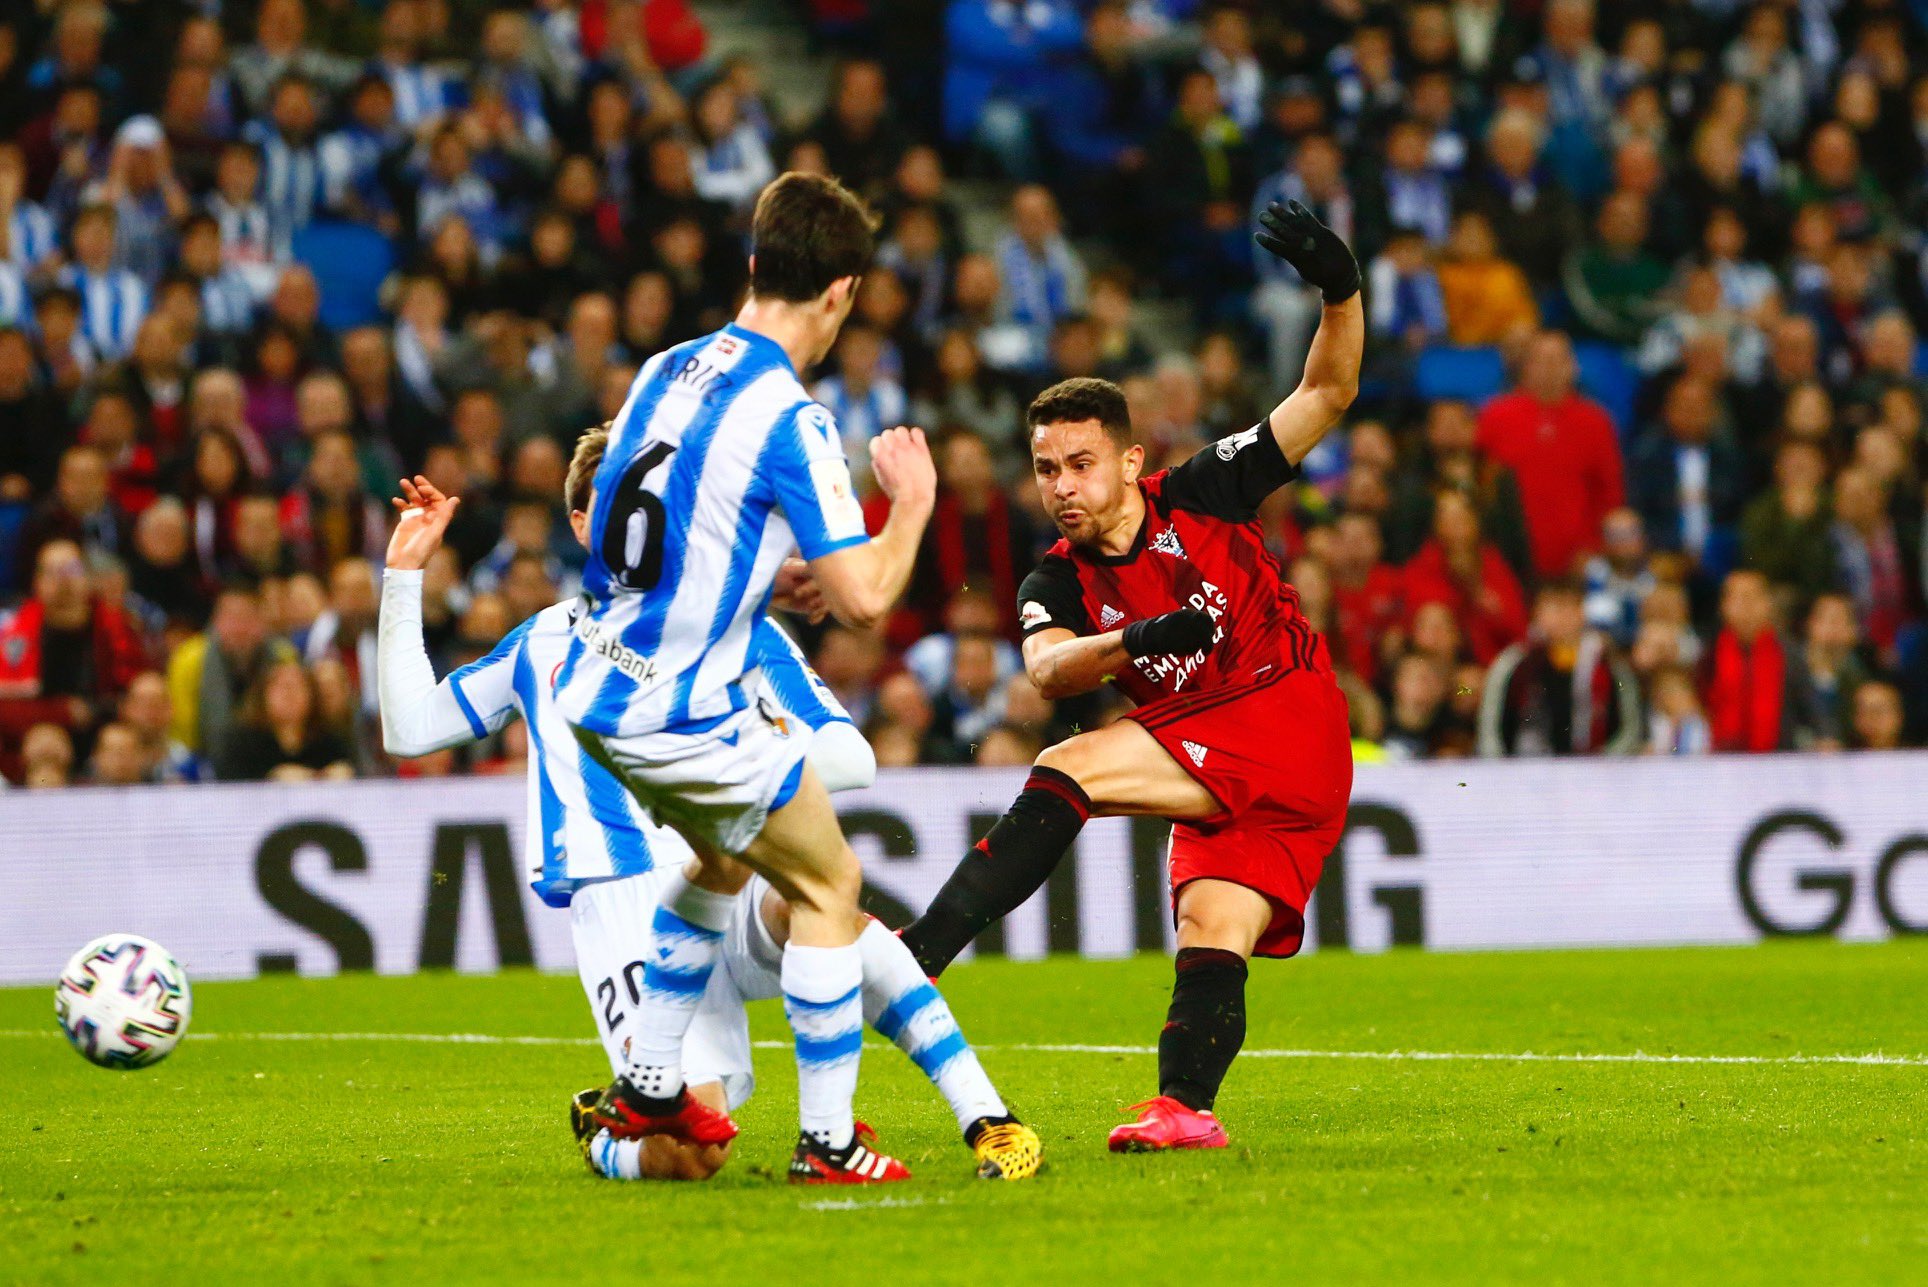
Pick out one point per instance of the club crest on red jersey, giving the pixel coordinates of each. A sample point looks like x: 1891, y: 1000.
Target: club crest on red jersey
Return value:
x: 1166, y: 542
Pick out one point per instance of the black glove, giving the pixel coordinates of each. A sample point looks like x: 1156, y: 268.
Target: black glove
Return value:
x: 1295, y: 235
x: 1179, y: 633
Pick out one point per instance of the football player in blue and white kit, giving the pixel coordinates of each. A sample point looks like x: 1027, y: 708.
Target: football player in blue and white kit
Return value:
x: 589, y: 851
x: 719, y: 467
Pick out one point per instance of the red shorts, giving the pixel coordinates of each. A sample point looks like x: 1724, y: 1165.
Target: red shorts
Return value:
x: 1278, y: 759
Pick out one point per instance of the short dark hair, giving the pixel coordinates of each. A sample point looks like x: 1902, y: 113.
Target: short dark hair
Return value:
x: 809, y: 231
x: 1083, y: 398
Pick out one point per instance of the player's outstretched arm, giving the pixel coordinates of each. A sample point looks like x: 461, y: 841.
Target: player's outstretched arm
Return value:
x: 420, y: 715
x: 1063, y: 664
x: 861, y: 584
x: 1331, y: 379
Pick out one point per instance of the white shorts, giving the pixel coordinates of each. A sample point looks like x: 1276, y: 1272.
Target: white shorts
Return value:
x: 716, y: 787
x: 610, y: 925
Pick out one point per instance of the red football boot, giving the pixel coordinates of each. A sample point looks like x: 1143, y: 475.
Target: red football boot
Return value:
x: 855, y: 1163
x: 626, y: 1115
x: 1164, y: 1123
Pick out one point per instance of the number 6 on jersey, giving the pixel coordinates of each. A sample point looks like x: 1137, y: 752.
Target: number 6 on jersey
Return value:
x: 633, y: 537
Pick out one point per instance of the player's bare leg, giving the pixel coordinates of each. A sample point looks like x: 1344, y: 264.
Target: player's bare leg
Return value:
x: 1126, y: 773
x: 1116, y: 770
x: 1219, y: 925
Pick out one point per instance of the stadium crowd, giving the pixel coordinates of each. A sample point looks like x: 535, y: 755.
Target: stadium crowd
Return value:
x: 1637, y: 465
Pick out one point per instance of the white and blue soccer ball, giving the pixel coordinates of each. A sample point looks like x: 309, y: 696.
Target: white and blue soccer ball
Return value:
x: 123, y: 1001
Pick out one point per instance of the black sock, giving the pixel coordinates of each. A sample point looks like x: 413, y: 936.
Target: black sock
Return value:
x: 1205, y: 1026
x: 1001, y: 870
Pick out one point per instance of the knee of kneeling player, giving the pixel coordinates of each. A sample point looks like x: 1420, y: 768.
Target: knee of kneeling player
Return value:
x: 775, y: 912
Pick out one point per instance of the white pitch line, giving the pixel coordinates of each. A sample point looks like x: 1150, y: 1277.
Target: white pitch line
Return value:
x: 853, y: 1204
x: 1415, y: 1056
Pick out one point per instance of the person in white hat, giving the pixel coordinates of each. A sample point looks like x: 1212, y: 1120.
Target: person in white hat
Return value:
x: 148, y: 199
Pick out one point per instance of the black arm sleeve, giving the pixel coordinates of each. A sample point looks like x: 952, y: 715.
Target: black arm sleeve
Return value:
x: 1229, y: 479
x: 1052, y: 599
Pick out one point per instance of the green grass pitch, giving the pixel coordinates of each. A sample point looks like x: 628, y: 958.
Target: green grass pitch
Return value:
x: 247, y: 1158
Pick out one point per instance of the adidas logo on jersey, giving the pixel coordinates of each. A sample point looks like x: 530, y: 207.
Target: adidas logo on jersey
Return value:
x: 1197, y: 753
x: 1108, y: 617
x: 1166, y: 542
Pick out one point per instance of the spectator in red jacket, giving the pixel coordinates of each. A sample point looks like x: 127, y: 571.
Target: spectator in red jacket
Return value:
x: 672, y: 35
x: 65, y: 656
x: 1367, y: 595
x: 1562, y: 447
x: 1460, y: 569
x: 1747, y: 669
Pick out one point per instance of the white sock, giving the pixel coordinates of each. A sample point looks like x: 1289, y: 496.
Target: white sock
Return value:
x: 823, y: 997
x: 616, y: 1159
x: 907, y: 1007
x: 686, y: 937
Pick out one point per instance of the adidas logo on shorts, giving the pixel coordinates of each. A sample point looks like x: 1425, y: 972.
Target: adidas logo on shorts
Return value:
x: 1197, y: 753
x: 1108, y: 617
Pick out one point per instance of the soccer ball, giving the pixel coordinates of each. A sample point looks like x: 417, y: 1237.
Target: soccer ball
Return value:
x: 123, y: 1001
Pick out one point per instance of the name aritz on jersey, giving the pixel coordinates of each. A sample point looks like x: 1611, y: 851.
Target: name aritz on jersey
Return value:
x: 699, y: 375
x: 620, y: 655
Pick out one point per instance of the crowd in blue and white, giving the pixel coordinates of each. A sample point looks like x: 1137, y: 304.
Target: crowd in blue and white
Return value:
x: 258, y: 258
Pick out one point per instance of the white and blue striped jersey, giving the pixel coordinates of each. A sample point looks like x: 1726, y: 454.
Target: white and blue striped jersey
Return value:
x: 31, y: 236
x: 583, y: 825
x: 719, y: 466
x: 112, y: 304
x: 291, y: 181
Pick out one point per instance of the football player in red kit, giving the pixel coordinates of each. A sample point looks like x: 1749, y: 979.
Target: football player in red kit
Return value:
x: 1163, y: 587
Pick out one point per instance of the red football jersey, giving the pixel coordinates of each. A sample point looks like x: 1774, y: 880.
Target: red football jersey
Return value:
x: 1199, y: 547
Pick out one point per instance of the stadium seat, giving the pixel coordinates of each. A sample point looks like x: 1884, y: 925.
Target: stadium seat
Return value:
x: 350, y: 261
x: 1469, y: 374
x: 1609, y: 379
